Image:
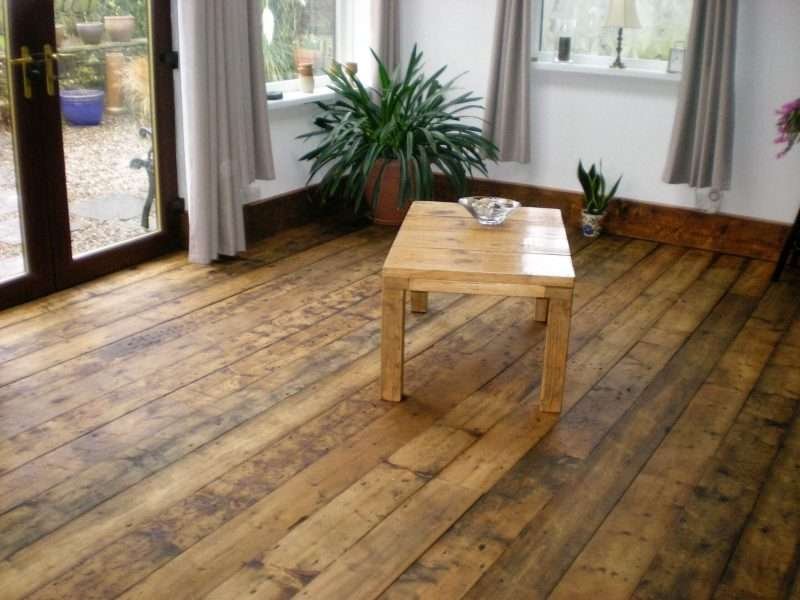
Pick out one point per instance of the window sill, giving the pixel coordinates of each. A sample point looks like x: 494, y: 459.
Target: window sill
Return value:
x: 294, y: 99
x: 606, y: 71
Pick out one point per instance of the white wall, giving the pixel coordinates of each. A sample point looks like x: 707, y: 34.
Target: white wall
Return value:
x: 290, y: 174
x: 627, y: 122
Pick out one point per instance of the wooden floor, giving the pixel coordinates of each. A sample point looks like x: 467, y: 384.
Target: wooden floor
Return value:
x: 179, y: 431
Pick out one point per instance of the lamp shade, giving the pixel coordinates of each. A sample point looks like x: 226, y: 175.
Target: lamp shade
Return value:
x: 622, y: 13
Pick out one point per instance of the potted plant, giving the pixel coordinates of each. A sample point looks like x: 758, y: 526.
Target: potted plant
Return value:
x: 788, y: 126
x: 61, y: 34
x: 382, y: 145
x: 119, y: 22
x: 90, y: 28
x: 595, y: 198
x: 81, y: 94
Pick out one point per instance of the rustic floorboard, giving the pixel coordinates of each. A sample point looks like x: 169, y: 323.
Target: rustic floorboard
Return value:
x: 180, y: 431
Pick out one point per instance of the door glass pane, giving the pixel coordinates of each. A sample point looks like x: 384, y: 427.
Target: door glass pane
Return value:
x: 105, y: 89
x: 12, y: 254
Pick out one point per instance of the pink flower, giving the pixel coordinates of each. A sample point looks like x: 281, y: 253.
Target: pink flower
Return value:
x: 788, y: 126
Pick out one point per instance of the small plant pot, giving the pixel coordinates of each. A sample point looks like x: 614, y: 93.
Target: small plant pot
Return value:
x: 306, y: 56
x: 120, y: 29
x: 592, y: 225
x: 306, y: 73
x: 82, y: 107
x: 386, y: 210
x: 90, y: 33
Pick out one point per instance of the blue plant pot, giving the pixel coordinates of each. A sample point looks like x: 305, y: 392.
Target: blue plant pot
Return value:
x: 83, y: 107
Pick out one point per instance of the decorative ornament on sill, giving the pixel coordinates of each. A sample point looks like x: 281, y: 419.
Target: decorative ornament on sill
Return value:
x: 677, y: 55
x: 306, y: 72
x: 622, y: 15
x: 566, y: 29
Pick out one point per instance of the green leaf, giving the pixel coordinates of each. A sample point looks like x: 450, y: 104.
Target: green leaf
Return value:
x: 411, y: 117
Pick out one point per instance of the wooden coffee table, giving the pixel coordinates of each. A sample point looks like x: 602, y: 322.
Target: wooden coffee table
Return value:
x: 441, y: 248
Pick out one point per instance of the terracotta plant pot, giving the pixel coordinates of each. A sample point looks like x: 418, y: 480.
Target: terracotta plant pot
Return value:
x: 90, y: 33
x: 61, y: 34
x: 306, y: 56
x: 591, y: 225
x: 120, y: 29
x: 386, y: 211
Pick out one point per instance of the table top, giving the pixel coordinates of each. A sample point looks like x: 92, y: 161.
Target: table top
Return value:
x: 441, y: 240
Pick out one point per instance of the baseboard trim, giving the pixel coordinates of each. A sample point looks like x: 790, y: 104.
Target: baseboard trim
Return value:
x: 269, y: 216
x: 729, y: 234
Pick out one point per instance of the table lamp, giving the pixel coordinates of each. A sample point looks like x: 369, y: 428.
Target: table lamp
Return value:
x: 622, y: 14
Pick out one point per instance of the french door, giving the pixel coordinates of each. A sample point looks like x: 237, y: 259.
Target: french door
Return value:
x: 87, y: 141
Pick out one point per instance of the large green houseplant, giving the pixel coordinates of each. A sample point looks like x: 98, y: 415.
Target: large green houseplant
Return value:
x: 382, y: 145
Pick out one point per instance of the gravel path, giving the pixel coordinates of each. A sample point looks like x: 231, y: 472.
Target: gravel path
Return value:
x: 98, y: 167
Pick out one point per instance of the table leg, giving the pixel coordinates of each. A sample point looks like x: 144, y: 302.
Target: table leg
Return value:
x: 392, y: 342
x: 419, y: 302
x: 555, y: 355
x: 540, y: 310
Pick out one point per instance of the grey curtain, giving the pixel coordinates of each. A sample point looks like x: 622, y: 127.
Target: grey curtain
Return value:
x: 225, y: 128
x: 701, y: 149
x: 508, y: 97
x: 383, y: 35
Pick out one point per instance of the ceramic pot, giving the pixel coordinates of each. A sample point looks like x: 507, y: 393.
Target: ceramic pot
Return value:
x: 592, y: 225
x: 306, y: 72
x: 90, y: 33
x: 61, y: 34
x: 386, y: 211
x: 120, y: 29
x: 82, y: 107
x: 115, y: 95
x: 304, y: 56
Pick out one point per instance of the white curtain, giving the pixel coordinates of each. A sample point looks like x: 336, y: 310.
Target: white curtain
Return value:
x: 701, y: 149
x: 224, y: 119
x: 384, y: 34
x: 508, y: 99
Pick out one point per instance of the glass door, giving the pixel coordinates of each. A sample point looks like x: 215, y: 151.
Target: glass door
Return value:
x: 12, y: 246
x: 98, y: 99
x: 26, y: 260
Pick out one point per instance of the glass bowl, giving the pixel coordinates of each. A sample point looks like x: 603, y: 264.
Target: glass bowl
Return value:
x: 488, y: 209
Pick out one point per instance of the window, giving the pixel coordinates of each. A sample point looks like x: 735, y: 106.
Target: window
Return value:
x: 664, y: 22
x: 296, y: 32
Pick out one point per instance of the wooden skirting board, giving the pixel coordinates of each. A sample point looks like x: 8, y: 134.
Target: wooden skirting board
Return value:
x: 730, y: 234
x: 269, y: 216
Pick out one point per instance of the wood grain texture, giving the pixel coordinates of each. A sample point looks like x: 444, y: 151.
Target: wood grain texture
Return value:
x: 419, y: 302
x: 534, y: 252
x: 227, y: 440
x: 393, y: 344
x: 559, y: 313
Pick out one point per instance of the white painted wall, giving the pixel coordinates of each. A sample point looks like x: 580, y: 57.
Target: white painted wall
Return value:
x: 627, y: 122
x: 290, y: 174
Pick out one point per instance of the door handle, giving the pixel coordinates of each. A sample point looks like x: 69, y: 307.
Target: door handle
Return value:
x: 25, y: 61
x: 31, y: 71
x: 50, y: 69
x: 52, y: 61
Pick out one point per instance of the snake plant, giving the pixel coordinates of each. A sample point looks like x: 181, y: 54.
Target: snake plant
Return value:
x: 411, y: 118
x: 593, y: 183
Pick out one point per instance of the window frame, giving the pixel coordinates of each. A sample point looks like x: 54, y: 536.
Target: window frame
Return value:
x: 343, y: 35
x: 541, y: 55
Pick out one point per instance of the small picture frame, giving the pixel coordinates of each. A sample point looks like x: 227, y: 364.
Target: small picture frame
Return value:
x: 676, y: 58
